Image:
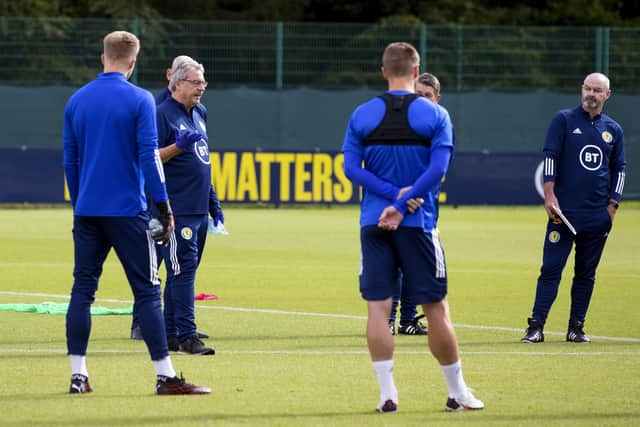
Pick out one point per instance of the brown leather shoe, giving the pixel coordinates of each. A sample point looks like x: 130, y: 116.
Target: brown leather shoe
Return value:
x: 178, y: 385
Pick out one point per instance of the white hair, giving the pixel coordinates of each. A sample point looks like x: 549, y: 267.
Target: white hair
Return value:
x: 181, y: 70
x: 179, y: 60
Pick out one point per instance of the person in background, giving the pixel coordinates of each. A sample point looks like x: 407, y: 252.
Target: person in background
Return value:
x: 110, y: 152
x: 397, y: 147
x: 584, y: 171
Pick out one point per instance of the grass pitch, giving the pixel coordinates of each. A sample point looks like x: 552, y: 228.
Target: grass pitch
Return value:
x: 289, y: 329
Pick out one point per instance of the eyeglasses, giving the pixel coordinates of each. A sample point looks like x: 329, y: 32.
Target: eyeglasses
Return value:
x: 202, y: 83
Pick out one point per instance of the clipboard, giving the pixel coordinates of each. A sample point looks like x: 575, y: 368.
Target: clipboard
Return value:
x: 563, y: 218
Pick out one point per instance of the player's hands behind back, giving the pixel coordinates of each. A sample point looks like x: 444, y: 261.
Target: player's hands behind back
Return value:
x: 390, y: 218
x: 412, y: 204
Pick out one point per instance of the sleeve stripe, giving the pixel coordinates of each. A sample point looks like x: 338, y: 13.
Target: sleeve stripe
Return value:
x: 159, y: 167
x: 549, y: 166
x: 620, y: 183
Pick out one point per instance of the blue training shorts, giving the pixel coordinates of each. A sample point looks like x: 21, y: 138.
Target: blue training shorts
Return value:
x: 418, y: 254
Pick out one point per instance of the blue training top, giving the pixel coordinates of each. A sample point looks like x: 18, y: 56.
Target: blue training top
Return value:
x: 585, y: 158
x: 188, y: 173
x: 401, y: 165
x: 111, y: 148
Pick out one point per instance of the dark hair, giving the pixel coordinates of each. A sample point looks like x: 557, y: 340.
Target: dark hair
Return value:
x: 428, y: 79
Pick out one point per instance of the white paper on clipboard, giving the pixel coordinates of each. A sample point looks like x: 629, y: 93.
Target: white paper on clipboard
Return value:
x: 564, y: 219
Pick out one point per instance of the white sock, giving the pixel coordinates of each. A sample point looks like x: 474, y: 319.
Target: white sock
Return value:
x: 79, y: 365
x: 455, y: 382
x: 164, y: 367
x: 384, y: 372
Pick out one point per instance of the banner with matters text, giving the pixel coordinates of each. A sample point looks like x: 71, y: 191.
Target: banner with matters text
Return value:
x: 281, y: 177
x: 293, y: 177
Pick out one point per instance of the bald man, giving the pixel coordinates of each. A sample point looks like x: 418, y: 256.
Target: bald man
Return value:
x: 584, y: 170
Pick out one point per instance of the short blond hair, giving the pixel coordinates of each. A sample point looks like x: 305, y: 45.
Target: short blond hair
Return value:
x: 399, y: 59
x: 121, y: 46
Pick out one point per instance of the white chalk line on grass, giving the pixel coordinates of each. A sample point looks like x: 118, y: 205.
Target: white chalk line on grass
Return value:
x: 334, y: 353
x: 326, y: 315
x: 261, y: 267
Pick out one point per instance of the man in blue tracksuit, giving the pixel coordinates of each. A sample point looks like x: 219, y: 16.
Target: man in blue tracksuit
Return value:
x: 405, y: 142
x: 182, y: 135
x: 215, y: 211
x: 584, y: 170
x: 110, y: 153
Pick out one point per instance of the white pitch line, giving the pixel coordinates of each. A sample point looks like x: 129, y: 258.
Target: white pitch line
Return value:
x: 326, y: 315
x: 334, y: 353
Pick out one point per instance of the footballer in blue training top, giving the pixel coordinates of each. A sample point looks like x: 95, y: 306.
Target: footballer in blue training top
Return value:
x: 397, y: 147
x: 584, y: 171
x: 110, y: 153
x: 428, y: 86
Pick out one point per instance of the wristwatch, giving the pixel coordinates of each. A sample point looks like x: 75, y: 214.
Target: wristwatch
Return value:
x: 615, y: 204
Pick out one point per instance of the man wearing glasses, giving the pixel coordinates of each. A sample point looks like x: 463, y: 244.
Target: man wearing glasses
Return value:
x: 214, y: 204
x: 182, y: 138
x: 166, y: 92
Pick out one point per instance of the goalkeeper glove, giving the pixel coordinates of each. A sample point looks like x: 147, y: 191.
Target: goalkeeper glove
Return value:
x: 165, y: 217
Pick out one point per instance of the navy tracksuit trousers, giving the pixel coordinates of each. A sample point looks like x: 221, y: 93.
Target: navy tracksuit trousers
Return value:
x: 592, y: 228
x: 93, y: 238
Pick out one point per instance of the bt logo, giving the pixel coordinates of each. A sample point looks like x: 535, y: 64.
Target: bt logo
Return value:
x: 591, y: 157
x: 202, y: 151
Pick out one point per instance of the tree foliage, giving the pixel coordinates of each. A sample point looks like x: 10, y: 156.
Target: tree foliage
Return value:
x: 474, y: 12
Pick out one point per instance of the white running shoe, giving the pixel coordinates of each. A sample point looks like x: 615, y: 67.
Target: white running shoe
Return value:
x: 469, y: 403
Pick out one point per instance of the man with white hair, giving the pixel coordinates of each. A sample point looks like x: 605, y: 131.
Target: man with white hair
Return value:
x: 584, y: 168
x: 215, y: 209
x: 166, y: 92
x: 182, y: 138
